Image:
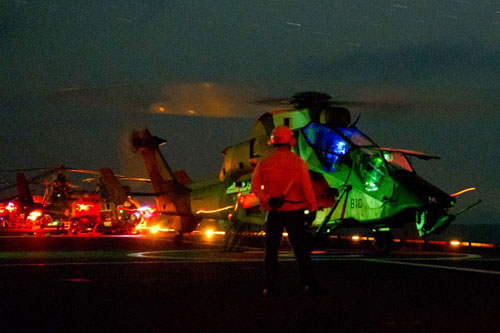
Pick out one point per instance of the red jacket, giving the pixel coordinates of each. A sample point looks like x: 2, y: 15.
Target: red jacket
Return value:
x: 284, y: 173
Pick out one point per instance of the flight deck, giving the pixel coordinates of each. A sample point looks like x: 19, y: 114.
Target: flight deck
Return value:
x: 150, y: 283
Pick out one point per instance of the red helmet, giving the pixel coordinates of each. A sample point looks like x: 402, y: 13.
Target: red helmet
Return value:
x: 282, y: 135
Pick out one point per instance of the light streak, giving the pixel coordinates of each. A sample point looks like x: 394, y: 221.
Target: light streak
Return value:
x: 455, y: 243
x: 203, y: 211
x: 436, y: 242
x: 154, y: 229
x: 463, y: 191
x: 481, y: 245
x: 123, y: 19
x: 463, y: 269
x: 415, y: 241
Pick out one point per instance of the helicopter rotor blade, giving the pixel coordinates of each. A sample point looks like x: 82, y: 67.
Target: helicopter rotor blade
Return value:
x: 132, y: 97
x: 120, y: 177
x: 203, y: 99
x: 311, y: 99
x: 84, y: 171
x: 27, y: 169
x: 48, y: 171
x: 30, y: 180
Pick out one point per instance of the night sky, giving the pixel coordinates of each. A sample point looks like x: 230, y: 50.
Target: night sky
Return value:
x: 77, y: 76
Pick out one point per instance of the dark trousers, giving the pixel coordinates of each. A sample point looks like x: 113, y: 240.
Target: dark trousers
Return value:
x: 293, y: 222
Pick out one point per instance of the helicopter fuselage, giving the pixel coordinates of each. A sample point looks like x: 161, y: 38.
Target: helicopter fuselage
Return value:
x: 366, y: 186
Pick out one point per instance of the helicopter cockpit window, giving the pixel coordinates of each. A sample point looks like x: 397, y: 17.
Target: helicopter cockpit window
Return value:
x: 327, y: 143
x: 356, y: 137
x: 372, y: 170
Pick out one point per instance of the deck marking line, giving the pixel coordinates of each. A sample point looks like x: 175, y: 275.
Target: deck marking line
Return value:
x: 463, y: 269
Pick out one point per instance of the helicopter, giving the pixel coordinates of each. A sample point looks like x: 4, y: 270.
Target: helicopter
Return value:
x: 357, y: 183
x: 67, y: 207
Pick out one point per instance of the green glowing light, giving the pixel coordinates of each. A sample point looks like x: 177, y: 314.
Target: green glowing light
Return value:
x: 371, y: 187
x: 420, y: 223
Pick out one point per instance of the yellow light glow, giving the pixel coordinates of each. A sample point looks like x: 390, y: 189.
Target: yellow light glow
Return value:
x: 209, y: 233
x: 201, y: 211
x: 161, y: 109
x: 83, y: 207
x: 463, y: 191
x: 481, y: 245
x: 34, y: 215
x: 455, y: 243
x: 191, y: 111
x: 11, y: 207
x: 155, y: 229
x: 355, y: 238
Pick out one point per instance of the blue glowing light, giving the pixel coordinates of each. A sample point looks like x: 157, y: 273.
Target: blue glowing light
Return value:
x: 327, y: 143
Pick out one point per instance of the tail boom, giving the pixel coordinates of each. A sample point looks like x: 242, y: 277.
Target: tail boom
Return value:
x: 174, y: 197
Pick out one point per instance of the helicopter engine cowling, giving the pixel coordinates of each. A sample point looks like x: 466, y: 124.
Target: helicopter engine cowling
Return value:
x: 335, y: 116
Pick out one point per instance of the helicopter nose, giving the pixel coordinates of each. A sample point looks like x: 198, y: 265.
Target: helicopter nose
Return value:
x: 429, y: 203
x: 414, y: 190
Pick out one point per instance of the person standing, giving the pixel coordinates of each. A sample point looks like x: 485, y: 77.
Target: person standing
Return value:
x: 282, y: 183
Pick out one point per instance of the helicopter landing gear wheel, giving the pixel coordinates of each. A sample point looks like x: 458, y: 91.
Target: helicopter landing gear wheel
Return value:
x: 179, y: 238
x: 233, y: 237
x: 384, y: 242
x: 131, y: 230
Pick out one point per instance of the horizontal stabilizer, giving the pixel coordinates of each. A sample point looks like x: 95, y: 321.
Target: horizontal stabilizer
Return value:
x: 417, y: 154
